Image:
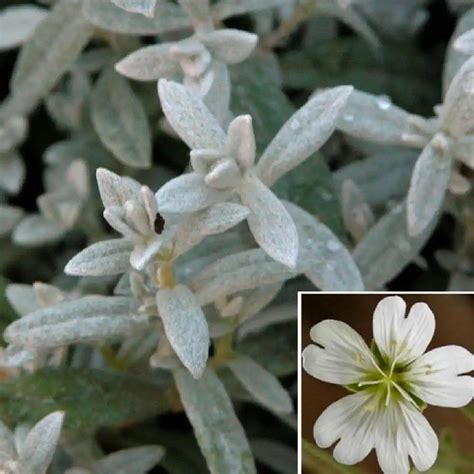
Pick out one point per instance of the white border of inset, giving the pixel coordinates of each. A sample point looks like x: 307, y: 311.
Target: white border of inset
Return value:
x: 300, y: 339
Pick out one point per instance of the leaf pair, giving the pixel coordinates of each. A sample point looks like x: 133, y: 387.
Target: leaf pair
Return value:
x: 271, y: 226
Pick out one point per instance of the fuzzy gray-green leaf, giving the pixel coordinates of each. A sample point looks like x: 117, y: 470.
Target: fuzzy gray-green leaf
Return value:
x: 261, y: 384
x: 108, y: 257
x: 429, y: 183
x: 387, y: 248
x: 185, y: 327
x: 218, y: 431
x: 48, y: 54
x: 120, y: 120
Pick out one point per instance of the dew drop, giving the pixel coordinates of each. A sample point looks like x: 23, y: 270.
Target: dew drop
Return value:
x: 348, y: 117
x: 333, y: 245
x: 384, y: 102
x: 404, y: 245
x: 295, y: 124
x: 325, y: 195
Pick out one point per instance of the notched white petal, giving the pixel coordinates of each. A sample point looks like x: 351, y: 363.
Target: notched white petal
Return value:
x: 341, y: 357
x: 398, y: 337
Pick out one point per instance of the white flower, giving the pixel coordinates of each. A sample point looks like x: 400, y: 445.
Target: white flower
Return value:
x: 393, y: 383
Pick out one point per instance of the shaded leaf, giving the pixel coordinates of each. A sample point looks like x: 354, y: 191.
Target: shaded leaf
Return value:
x: 387, y: 248
x: 323, y: 257
x: 48, y: 54
x: 261, y: 384
x: 120, y: 120
x: 90, y: 397
x: 217, y: 429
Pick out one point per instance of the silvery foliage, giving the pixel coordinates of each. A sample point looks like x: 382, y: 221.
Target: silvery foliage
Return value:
x: 201, y: 59
x: 13, y: 131
x: 137, y: 460
x: 30, y: 451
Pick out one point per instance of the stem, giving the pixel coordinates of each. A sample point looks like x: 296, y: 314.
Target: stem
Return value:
x: 222, y: 350
x: 166, y: 276
x: 300, y: 14
x: 111, y: 358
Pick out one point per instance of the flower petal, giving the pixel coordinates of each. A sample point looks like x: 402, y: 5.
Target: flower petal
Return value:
x: 434, y: 377
x: 350, y: 421
x: 344, y: 358
x: 402, y: 432
x: 398, y: 337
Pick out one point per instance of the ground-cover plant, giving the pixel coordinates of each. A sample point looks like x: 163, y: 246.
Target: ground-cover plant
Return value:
x: 171, y: 124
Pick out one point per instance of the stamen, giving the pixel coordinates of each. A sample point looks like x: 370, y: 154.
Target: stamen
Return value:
x: 370, y: 382
x: 387, y: 397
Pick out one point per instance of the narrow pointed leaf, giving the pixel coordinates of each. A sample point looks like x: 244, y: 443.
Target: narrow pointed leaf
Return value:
x: 303, y: 134
x: 189, y: 117
x: 374, y: 118
x: 261, y: 384
x: 81, y: 309
x: 149, y: 63
x: 214, y: 220
x: 457, y: 116
x: 40, y: 444
x: 91, y: 398
x: 120, y: 120
x: 269, y: 222
x: 187, y: 193
x: 323, y: 257
x: 428, y: 186
x: 9, y: 216
x: 387, y: 248
x: 227, y: 8
x: 382, y: 177
x: 109, y: 257
x: 185, y: 327
x: 49, y: 53
x: 18, y: 23
x: 137, y: 460
x: 218, y: 431
x: 106, y: 15
x: 465, y: 43
x: 228, y: 45
x: 145, y: 7
x: 35, y: 230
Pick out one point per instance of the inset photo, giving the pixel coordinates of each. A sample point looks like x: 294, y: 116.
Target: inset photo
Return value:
x: 387, y: 383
